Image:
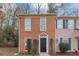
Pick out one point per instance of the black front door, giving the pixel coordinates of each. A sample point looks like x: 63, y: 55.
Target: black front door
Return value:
x: 43, y: 45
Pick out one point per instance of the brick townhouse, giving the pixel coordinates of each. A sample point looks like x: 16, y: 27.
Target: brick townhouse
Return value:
x: 43, y: 27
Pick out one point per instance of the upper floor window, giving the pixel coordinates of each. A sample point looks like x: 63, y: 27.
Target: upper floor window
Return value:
x: 70, y: 24
x: 65, y: 24
x: 59, y: 24
x: 27, y: 24
x: 42, y: 24
x: 77, y: 24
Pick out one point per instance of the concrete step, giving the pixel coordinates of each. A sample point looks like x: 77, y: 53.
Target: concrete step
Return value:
x: 44, y: 54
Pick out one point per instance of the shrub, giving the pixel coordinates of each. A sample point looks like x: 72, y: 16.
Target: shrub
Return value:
x: 26, y: 52
x: 28, y: 46
x: 63, y: 47
x: 35, y: 47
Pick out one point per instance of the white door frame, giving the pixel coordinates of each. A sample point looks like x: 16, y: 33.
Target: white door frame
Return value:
x: 46, y: 42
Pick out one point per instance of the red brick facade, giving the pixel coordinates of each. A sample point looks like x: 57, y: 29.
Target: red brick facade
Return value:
x: 35, y: 29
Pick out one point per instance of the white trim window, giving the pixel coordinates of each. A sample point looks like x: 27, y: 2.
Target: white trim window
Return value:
x: 65, y: 40
x: 42, y: 24
x: 77, y: 24
x: 70, y: 24
x: 27, y: 24
x: 60, y: 24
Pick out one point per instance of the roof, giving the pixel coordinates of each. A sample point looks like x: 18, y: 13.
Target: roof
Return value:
x: 68, y: 17
x: 51, y: 14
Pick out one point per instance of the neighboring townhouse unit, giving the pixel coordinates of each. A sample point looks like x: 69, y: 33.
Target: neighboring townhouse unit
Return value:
x: 67, y: 30
x: 37, y: 26
x: 44, y: 27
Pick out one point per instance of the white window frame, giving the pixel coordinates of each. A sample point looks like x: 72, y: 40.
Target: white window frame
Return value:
x: 65, y: 40
x: 71, y: 25
x: 77, y: 24
x: 42, y: 18
x: 59, y: 25
x: 27, y: 19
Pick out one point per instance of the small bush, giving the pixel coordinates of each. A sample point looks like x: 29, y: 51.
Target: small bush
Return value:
x: 28, y: 46
x: 26, y: 52
x: 35, y: 47
x: 63, y: 47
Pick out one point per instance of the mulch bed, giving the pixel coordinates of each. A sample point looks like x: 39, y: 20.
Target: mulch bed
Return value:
x: 65, y: 54
x: 7, y: 51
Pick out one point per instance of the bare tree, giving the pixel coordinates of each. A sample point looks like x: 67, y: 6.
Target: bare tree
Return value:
x: 25, y: 8
x: 53, y: 7
x: 67, y: 10
x: 38, y: 8
x: 1, y: 23
x: 10, y: 29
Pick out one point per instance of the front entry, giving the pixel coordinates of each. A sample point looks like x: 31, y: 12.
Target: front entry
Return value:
x: 43, y: 47
x: 43, y: 43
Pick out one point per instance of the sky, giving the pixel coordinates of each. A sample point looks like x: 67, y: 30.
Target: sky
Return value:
x: 67, y: 6
x: 34, y: 5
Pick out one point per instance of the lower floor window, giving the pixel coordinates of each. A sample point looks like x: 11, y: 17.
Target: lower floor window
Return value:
x: 66, y: 40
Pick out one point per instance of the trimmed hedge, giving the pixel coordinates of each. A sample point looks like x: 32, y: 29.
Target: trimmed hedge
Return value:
x: 63, y: 47
x: 28, y: 46
x: 35, y: 47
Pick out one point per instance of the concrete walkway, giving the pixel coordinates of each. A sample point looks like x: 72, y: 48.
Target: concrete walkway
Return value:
x: 44, y: 54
